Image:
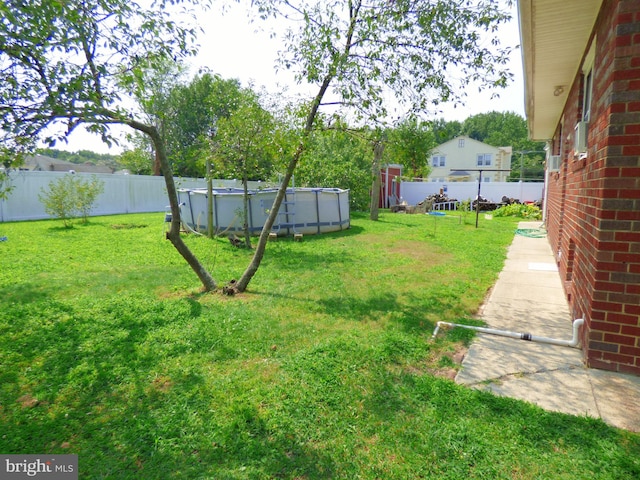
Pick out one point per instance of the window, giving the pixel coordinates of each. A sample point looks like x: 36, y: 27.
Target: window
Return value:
x: 438, y: 161
x: 461, y: 143
x: 484, y: 159
x: 580, y: 138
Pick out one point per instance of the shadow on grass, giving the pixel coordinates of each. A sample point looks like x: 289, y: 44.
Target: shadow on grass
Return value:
x: 413, y: 312
x: 467, y: 431
x: 122, y: 383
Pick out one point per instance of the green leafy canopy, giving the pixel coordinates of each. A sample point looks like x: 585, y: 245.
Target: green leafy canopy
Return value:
x: 420, y: 52
x: 64, y: 63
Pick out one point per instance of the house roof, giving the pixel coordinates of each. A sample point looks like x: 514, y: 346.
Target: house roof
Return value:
x: 454, y: 141
x: 554, y: 36
x: 49, y: 164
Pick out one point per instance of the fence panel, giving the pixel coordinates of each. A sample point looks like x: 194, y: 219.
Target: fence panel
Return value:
x: 122, y: 194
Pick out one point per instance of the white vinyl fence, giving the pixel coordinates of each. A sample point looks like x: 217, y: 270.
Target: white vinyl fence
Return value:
x: 415, y: 192
x: 122, y: 193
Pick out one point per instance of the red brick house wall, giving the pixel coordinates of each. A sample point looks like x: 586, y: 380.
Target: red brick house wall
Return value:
x: 593, y: 203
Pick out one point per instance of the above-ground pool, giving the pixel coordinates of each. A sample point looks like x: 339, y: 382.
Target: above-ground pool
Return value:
x: 304, y: 210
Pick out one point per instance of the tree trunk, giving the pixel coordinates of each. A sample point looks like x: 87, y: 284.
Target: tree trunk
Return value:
x: 174, y: 232
x: 378, y: 150
x: 157, y: 169
x: 245, y: 226
x: 251, y: 270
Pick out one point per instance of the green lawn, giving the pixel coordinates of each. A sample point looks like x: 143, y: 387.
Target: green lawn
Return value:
x: 324, y: 369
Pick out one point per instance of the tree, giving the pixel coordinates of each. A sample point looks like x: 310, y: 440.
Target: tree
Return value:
x: 86, y: 194
x: 444, y: 131
x: 378, y: 152
x: 244, y: 145
x: 500, y: 129
x: 8, y: 159
x: 338, y: 157
x: 152, y: 86
x: 504, y: 129
x: 362, y: 51
x: 195, y: 110
x: 70, y: 63
x: 59, y: 199
x: 140, y: 160
x: 410, y: 143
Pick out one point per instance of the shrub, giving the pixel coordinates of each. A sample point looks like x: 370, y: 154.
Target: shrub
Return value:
x: 530, y: 212
x: 86, y: 195
x: 70, y: 197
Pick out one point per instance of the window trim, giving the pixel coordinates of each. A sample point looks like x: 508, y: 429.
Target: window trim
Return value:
x: 441, y: 161
x: 483, y: 162
x: 587, y: 85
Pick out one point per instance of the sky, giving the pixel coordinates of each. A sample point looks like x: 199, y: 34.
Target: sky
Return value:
x: 233, y: 47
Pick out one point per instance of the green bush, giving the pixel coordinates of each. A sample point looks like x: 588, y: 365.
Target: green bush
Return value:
x: 70, y: 197
x: 530, y: 212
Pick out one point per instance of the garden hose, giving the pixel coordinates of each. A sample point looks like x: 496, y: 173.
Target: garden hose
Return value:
x: 532, y: 232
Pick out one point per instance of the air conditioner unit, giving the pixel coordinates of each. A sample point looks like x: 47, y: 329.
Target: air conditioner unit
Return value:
x: 580, y: 137
x: 554, y: 163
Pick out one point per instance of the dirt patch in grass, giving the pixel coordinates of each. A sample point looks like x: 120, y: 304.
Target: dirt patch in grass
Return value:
x: 27, y: 401
x: 162, y: 384
x: 441, y: 364
x: 420, y: 252
x: 128, y: 226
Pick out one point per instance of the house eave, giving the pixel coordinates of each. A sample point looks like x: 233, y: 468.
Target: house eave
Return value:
x: 554, y: 37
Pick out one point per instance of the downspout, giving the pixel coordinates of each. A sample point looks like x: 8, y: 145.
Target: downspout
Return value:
x: 520, y: 336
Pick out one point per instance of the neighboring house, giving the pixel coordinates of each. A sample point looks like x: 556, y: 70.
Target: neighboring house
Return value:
x: 460, y: 159
x: 42, y: 163
x: 582, y: 86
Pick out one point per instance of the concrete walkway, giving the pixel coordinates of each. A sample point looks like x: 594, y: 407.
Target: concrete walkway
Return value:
x: 528, y: 297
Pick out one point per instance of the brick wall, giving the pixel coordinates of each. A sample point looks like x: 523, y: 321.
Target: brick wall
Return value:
x: 593, y: 209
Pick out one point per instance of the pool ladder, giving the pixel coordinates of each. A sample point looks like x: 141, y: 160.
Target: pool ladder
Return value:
x: 286, y: 218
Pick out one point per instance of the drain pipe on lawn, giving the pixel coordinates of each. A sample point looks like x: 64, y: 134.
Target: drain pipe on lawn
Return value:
x: 520, y: 336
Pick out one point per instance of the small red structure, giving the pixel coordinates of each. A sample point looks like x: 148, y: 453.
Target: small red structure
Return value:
x: 390, y: 185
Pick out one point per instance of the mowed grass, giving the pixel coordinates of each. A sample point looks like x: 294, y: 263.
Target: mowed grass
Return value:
x: 324, y: 369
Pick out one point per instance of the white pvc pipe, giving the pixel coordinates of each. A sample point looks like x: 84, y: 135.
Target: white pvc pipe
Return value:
x: 521, y: 336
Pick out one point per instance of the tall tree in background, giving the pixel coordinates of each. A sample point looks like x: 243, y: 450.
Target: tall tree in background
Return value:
x: 443, y: 131
x: 185, y: 113
x: 70, y: 63
x: 509, y: 129
x: 410, y: 143
x: 500, y: 129
x: 195, y: 110
x: 361, y: 52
